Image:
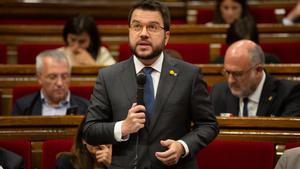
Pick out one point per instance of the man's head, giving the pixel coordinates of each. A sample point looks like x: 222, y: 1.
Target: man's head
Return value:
x: 149, y: 30
x: 53, y: 74
x: 243, y: 66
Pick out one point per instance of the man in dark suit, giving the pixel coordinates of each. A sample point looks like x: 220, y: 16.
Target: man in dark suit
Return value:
x: 250, y: 90
x: 158, y: 135
x: 10, y: 160
x: 54, y: 98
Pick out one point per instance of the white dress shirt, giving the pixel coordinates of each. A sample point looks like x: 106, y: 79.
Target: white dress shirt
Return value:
x: 253, y: 99
x: 60, y: 110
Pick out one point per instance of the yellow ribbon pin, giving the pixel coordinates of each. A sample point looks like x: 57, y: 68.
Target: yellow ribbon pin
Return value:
x: 173, y: 73
x: 270, y: 98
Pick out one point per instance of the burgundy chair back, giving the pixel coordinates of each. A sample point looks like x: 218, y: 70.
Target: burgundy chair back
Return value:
x: 288, y: 52
x: 28, y: 52
x: 3, y: 54
x: 264, y: 15
x: 205, y: 15
x: 196, y: 53
x: 20, y: 147
x: 237, y: 155
x: 20, y: 91
x: 50, y: 150
x: 292, y: 145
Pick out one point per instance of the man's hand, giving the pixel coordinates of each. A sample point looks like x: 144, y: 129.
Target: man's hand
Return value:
x: 135, y: 120
x: 171, y: 156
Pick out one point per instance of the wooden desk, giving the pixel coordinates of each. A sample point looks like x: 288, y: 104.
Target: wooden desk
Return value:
x: 13, y: 35
x: 22, y: 75
x: 39, y: 128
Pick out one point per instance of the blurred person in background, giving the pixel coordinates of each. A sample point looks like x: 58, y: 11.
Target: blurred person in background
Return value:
x: 250, y: 90
x: 85, y: 156
x: 228, y: 11
x: 11, y: 160
x: 83, y: 43
x: 244, y: 29
x: 53, y: 74
x: 293, y: 16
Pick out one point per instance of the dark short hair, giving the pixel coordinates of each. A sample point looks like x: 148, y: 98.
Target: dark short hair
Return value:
x: 84, y: 23
x: 244, y: 28
x: 153, y: 5
x: 218, y: 16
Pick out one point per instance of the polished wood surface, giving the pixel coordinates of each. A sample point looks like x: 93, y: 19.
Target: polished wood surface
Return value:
x: 114, y: 35
x: 24, y: 75
x: 39, y: 128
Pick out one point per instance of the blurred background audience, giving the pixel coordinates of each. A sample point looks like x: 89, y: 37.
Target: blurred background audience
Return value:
x: 83, y: 43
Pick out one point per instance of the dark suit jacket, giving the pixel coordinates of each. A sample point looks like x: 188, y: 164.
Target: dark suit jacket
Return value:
x: 180, y: 99
x: 278, y: 98
x: 32, y: 104
x: 10, y: 160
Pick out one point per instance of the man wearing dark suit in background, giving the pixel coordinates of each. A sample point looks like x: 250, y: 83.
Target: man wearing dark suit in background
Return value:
x: 54, y: 98
x: 250, y: 90
x: 10, y: 160
x: 160, y: 136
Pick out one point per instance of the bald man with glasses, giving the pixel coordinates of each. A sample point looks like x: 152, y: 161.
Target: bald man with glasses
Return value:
x: 250, y: 90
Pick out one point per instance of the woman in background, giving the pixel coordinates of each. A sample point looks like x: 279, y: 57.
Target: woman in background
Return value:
x: 83, y: 43
x: 228, y: 11
x: 85, y: 156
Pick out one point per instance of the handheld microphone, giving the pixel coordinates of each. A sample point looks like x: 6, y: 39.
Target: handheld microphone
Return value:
x: 141, y: 80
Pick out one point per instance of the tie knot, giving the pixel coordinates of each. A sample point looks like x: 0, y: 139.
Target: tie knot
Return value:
x: 148, y: 70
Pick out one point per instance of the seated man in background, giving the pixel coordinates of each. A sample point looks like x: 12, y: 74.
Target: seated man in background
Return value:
x: 54, y: 98
x: 10, y: 160
x: 250, y: 90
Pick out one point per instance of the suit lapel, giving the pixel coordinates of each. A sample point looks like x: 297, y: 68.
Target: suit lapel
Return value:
x: 166, y: 83
x: 128, y: 79
x: 267, y: 97
x: 233, y: 105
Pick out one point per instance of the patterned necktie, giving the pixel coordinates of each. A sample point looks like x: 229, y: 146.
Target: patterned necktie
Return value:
x: 245, y: 109
x: 148, y: 92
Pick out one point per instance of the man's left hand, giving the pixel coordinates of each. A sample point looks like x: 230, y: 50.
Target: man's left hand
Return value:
x: 173, y: 153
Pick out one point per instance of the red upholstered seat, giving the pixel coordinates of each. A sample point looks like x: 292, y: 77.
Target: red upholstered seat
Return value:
x: 263, y: 15
x: 292, y: 145
x: 20, y: 91
x: 205, y: 15
x: 3, y: 55
x: 28, y: 52
x: 50, y: 150
x: 288, y: 52
x: 196, y: 53
x: 20, y: 147
x: 237, y: 155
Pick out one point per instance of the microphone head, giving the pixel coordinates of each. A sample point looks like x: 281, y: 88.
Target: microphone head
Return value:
x: 141, y: 78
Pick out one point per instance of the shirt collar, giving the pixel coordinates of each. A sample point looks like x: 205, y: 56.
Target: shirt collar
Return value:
x: 157, y: 65
x: 255, y: 96
x: 61, y: 103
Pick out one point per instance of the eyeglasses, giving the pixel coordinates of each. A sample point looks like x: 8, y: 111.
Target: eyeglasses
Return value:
x: 151, y: 28
x: 237, y: 74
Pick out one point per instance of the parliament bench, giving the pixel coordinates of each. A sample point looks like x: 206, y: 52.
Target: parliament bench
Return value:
x: 24, y: 75
x: 14, y: 36
x: 37, y: 129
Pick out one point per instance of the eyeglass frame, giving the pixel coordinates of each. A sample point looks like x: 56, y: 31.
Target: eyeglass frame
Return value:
x: 237, y: 74
x: 139, y: 29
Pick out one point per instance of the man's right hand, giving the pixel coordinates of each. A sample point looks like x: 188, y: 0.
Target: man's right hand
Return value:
x: 135, y: 120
